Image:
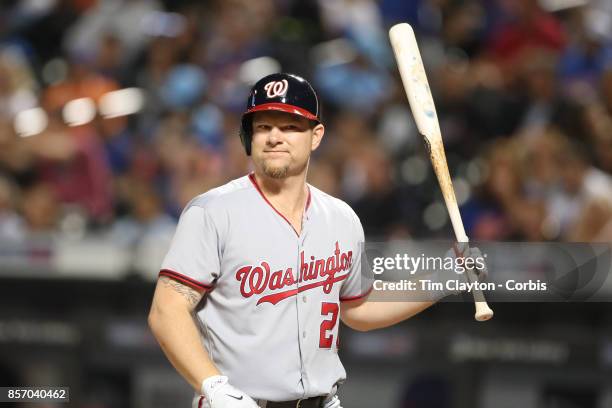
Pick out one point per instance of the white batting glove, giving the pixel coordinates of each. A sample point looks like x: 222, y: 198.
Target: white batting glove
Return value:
x: 220, y: 394
x: 333, y: 402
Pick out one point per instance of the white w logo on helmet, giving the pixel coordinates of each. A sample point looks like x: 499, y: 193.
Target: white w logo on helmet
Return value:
x: 276, y: 88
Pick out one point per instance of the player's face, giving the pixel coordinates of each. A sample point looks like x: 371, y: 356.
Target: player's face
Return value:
x: 282, y: 143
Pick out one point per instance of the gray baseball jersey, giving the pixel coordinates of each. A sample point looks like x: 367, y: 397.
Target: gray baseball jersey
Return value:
x: 271, y: 314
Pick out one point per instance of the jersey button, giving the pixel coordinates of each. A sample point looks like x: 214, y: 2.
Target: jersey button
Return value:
x: 304, y: 334
x: 304, y: 298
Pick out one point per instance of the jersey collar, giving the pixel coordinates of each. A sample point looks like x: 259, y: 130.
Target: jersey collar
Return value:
x: 308, y: 199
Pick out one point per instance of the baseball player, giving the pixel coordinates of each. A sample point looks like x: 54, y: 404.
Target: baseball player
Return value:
x: 262, y: 269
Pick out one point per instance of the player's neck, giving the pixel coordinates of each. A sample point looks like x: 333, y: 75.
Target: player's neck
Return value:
x: 288, y: 195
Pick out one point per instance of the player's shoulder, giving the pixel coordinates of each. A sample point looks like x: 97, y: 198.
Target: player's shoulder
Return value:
x: 334, y: 206
x: 218, y: 197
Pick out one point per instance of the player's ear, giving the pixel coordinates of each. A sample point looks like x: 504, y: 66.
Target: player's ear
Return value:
x: 317, y: 135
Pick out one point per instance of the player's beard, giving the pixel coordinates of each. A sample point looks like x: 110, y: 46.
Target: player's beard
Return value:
x: 275, y: 172
x: 283, y: 171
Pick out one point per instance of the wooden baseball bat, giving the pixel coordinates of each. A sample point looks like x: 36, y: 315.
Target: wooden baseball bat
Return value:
x: 423, y: 109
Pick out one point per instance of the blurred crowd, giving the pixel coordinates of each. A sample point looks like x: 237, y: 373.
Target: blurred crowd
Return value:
x: 114, y: 113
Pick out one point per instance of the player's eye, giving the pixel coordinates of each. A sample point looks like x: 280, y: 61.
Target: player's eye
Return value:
x: 262, y: 127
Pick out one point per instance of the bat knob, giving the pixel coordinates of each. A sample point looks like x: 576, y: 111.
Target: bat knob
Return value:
x: 483, y: 312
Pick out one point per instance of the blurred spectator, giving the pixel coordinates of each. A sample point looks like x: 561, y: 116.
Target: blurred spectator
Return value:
x: 543, y: 105
x: 17, y: 85
x: 349, y: 73
x: 38, y: 27
x: 72, y: 161
x: 183, y: 87
x: 323, y: 176
x: 541, y: 151
x: 599, y: 18
x: 603, y: 149
x: 345, y: 136
x: 606, y: 87
x: 525, y: 26
x: 493, y: 214
x: 188, y: 167
x: 16, y: 158
x: 463, y: 27
x: 11, y: 224
x: 342, y: 16
x: 145, y: 228
x: 584, y: 204
x: 161, y: 56
x: 597, y: 125
x: 238, y: 31
x: 82, y: 82
x: 378, y: 205
x: 126, y: 19
x: 118, y: 143
x: 145, y: 219
x: 587, y: 55
x: 41, y: 209
x: 109, y: 58
x: 395, y: 11
x: 356, y: 85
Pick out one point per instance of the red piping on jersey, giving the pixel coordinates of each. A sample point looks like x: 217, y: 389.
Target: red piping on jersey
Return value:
x: 200, y: 401
x: 254, y: 181
x: 349, y: 298
x: 284, y: 107
x: 185, y: 279
x: 277, y: 297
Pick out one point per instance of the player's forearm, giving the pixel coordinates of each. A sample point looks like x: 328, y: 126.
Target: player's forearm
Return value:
x: 376, y: 315
x: 179, y: 338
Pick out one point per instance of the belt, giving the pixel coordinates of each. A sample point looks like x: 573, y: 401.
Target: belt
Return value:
x: 312, y: 402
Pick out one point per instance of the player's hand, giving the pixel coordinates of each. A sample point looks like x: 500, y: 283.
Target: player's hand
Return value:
x: 462, y: 250
x: 480, y: 269
x: 333, y: 402
x: 220, y: 394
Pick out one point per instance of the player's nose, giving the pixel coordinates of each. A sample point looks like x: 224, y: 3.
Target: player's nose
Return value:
x: 274, y: 136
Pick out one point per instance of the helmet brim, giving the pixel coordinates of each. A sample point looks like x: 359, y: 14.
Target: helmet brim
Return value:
x: 283, y: 107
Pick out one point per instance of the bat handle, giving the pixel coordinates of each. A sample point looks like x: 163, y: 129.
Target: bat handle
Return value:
x: 483, y: 311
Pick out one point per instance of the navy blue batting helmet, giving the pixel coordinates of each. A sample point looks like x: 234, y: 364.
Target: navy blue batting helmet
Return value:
x: 279, y: 92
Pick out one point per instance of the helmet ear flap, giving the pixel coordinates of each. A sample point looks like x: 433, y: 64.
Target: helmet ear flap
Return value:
x: 246, y: 133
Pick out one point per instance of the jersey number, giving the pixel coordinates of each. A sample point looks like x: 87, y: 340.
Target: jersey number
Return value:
x: 325, y: 340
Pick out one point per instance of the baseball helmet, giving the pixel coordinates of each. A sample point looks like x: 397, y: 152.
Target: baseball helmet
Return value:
x: 279, y: 92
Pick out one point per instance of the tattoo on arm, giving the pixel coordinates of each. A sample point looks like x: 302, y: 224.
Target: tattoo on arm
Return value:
x: 192, y: 296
